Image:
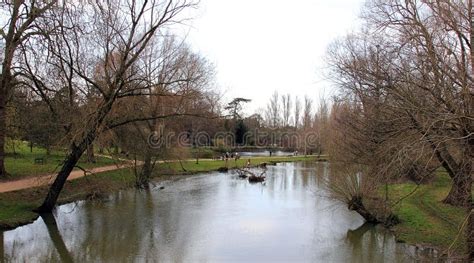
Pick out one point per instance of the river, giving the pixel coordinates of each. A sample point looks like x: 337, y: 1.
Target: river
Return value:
x: 212, y: 217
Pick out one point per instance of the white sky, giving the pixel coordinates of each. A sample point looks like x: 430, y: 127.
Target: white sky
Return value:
x: 259, y: 46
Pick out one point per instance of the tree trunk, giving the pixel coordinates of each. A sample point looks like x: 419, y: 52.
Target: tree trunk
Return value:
x: 460, y: 173
x: 69, y: 164
x: 143, y: 178
x: 470, y: 225
x: 3, y: 98
x: 90, y: 154
x: 72, y: 158
x: 356, y: 205
x: 470, y: 233
x: 460, y: 193
x: 14, y: 148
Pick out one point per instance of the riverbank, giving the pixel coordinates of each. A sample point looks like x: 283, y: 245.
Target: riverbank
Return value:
x: 16, y: 208
x: 425, y: 220
x: 210, y: 217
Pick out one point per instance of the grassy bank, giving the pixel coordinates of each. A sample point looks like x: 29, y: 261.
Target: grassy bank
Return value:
x: 21, y: 163
x: 210, y: 165
x: 16, y: 207
x: 425, y: 220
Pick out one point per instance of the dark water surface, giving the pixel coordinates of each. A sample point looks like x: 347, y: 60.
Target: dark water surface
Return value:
x: 212, y: 217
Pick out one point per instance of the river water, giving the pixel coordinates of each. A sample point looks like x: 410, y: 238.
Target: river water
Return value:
x: 266, y: 153
x: 213, y: 217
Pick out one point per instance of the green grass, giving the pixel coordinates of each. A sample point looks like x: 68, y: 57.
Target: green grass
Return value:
x: 22, y: 163
x: 425, y: 219
x: 12, y: 213
x: 190, y: 166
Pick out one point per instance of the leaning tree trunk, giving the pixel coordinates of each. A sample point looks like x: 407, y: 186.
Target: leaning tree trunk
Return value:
x: 73, y: 157
x: 460, y: 173
x: 356, y: 204
x: 461, y: 190
x: 69, y: 164
x: 460, y: 193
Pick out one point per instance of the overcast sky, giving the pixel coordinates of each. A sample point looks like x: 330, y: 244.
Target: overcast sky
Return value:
x: 259, y: 46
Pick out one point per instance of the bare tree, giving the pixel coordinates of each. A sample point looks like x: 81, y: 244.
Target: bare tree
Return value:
x: 431, y: 45
x: 272, y: 113
x: 286, y: 104
x: 20, y: 26
x: 409, y: 73
x: 100, y: 49
x: 170, y: 102
x: 320, y: 124
x: 297, y: 112
x: 307, y: 112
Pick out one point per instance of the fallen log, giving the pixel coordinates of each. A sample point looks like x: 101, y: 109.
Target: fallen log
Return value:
x: 256, y: 179
x: 252, y: 177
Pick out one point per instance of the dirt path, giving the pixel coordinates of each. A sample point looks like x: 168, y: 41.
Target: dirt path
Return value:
x: 49, y: 178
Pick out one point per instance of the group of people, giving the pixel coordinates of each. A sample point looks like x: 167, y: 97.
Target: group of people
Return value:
x: 228, y: 156
x: 235, y: 155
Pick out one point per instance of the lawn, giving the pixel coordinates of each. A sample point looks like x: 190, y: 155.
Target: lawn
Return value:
x: 22, y: 163
x: 425, y: 219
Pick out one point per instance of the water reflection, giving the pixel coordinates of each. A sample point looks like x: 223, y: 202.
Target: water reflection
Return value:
x: 2, y: 252
x: 212, y: 217
x: 55, y: 236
